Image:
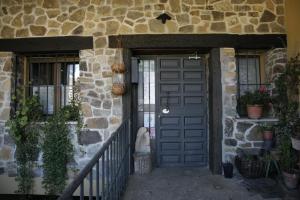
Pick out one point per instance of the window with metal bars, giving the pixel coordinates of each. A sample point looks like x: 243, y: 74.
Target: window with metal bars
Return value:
x: 52, y: 77
x: 250, y: 73
x: 250, y: 70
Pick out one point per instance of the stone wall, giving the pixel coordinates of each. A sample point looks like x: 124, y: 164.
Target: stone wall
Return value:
x: 100, y: 18
x: 241, y: 134
x: 105, y: 17
x: 5, y: 82
x: 276, y: 60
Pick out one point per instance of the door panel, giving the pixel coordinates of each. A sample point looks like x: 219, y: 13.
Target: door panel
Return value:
x: 181, y: 133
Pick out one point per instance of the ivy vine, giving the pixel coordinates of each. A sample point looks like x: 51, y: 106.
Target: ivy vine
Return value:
x: 57, y: 152
x: 24, y: 130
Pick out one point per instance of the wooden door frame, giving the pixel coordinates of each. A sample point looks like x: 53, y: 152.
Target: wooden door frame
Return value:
x: 215, y: 126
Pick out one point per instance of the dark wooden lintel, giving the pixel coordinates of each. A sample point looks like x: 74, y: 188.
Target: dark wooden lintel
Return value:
x: 199, y: 41
x: 46, y: 44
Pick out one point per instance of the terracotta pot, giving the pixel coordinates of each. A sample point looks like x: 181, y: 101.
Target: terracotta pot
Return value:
x: 268, y: 135
x: 118, y: 89
x: 118, y: 68
x: 296, y: 144
x: 254, y: 111
x: 290, y: 180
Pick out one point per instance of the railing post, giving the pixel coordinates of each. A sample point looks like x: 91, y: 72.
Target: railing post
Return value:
x: 130, y: 146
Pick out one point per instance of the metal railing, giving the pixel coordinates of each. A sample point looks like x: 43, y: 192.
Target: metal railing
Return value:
x: 111, y: 166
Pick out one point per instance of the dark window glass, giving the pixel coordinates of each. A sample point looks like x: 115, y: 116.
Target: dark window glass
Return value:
x: 248, y: 68
x: 53, y: 81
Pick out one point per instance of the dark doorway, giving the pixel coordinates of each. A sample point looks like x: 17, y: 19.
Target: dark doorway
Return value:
x: 172, y: 105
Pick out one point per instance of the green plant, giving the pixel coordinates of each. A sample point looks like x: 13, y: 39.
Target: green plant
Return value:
x: 25, y: 132
x: 287, y: 156
x: 266, y: 127
x: 57, y: 152
x: 258, y: 97
x: 286, y: 99
x: 72, y: 112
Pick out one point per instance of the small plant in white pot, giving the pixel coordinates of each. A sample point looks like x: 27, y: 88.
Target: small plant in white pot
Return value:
x: 296, y: 139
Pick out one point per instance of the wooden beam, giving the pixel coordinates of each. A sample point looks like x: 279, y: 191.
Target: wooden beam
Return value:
x: 46, y: 44
x: 199, y: 41
x: 215, y: 112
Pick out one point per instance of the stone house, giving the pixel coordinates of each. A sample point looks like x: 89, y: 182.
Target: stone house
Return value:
x: 241, y: 44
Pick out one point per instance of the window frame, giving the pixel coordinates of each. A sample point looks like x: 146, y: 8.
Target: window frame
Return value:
x: 58, y: 60
x: 261, y: 72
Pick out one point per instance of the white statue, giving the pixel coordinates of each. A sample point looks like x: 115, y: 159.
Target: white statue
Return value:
x: 142, y: 144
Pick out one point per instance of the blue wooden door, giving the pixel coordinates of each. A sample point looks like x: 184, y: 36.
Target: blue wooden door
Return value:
x: 181, y: 112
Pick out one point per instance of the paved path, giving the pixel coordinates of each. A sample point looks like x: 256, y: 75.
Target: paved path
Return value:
x: 187, y: 184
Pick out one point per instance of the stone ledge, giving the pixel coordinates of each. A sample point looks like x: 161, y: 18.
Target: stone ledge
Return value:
x: 257, y: 120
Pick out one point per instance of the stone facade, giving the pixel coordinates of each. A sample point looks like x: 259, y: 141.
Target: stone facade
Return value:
x: 5, y: 82
x: 244, y: 134
x: 106, y: 17
x: 276, y: 60
x: 102, y: 111
x: 7, y: 150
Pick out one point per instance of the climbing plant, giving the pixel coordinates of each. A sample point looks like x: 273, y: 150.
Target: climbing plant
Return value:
x: 57, y: 152
x: 285, y: 100
x: 24, y: 130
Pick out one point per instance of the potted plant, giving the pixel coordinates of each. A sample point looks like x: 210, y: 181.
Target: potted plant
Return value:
x: 250, y: 166
x: 267, y: 131
x: 256, y: 101
x: 296, y: 136
x: 268, y: 136
x: 228, y: 170
x: 286, y: 100
x: 287, y: 161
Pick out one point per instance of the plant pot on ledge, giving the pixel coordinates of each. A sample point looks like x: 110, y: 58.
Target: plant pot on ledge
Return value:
x: 268, y: 135
x: 254, y: 111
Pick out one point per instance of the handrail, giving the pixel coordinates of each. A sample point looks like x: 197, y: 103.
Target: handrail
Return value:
x: 108, y: 151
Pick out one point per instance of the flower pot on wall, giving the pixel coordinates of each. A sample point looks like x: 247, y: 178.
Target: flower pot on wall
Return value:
x: 268, y: 135
x: 118, y: 68
x: 296, y: 144
x: 118, y: 89
x: 290, y: 180
x: 254, y: 111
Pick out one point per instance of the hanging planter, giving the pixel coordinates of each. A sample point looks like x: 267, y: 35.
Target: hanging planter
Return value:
x: 118, y: 89
x: 118, y: 86
x: 118, y: 68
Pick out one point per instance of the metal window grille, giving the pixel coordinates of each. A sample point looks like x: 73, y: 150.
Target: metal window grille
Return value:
x: 249, y: 73
x: 52, y: 77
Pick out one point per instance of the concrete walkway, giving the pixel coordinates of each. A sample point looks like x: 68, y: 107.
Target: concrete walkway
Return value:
x: 187, y: 184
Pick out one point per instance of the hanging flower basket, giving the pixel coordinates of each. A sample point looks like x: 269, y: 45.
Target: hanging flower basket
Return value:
x: 118, y: 68
x: 118, y: 89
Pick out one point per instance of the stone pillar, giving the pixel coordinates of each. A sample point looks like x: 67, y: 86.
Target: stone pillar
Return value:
x: 102, y: 111
x: 6, y: 66
x: 276, y: 60
x: 229, y: 87
x: 7, y: 146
